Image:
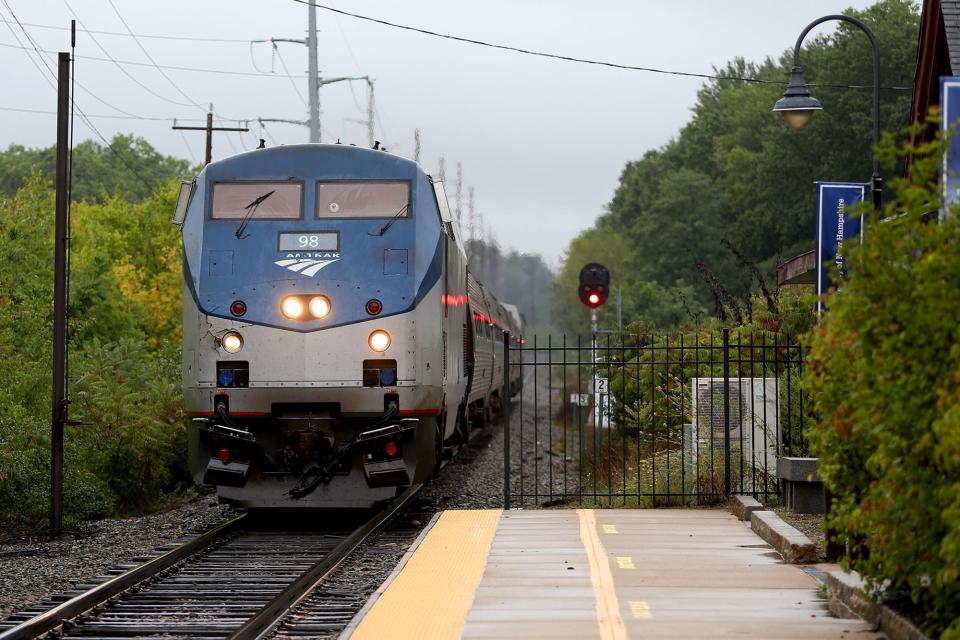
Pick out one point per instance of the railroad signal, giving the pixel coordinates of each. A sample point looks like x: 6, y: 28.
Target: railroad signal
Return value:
x: 594, y: 285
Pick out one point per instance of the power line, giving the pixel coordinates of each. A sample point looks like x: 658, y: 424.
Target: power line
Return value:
x: 227, y: 72
x: 122, y: 70
x: 555, y: 56
x: 283, y: 63
x: 150, y: 58
x: 139, y: 35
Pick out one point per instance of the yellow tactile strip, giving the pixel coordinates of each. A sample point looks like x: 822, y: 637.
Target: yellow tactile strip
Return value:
x: 609, y: 621
x: 432, y: 594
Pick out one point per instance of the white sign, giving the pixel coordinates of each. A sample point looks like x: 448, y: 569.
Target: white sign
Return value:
x: 580, y: 399
x: 601, y: 385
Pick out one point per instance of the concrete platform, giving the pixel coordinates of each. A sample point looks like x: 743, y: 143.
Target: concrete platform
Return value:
x: 643, y: 573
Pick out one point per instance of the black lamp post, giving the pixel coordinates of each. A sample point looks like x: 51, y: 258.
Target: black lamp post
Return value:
x: 798, y: 106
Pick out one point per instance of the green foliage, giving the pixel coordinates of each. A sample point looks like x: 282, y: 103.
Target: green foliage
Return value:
x: 124, y: 344
x: 885, y: 378
x: 129, y: 166
x: 737, y: 172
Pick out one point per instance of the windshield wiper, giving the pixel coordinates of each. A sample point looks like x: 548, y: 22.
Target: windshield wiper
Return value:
x: 390, y: 222
x: 251, y: 209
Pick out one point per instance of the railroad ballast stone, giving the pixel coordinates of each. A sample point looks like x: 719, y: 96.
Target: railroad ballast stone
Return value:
x: 795, y: 547
x: 31, y: 574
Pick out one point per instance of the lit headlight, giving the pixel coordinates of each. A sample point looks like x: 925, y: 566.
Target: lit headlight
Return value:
x: 319, y: 307
x: 292, y: 307
x: 379, y: 340
x: 231, y: 342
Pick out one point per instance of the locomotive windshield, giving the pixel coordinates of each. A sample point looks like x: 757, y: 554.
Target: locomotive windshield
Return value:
x: 355, y: 199
x: 232, y: 200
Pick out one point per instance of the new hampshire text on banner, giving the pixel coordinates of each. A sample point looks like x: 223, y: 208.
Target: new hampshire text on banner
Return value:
x: 834, y: 227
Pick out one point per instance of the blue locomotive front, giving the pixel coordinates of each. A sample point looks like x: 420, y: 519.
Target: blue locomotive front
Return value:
x: 325, y: 313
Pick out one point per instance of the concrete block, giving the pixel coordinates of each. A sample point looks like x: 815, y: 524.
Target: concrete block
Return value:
x: 848, y: 589
x: 795, y: 547
x: 798, y: 469
x: 743, y: 506
x: 802, y: 488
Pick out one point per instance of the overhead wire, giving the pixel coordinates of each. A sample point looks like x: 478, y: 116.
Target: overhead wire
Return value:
x: 150, y: 58
x: 283, y: 63
x: 129, y: 75
x: 83, y: 117
x: 566, y: 58
x: 139, y: 35
x: 226, y: 72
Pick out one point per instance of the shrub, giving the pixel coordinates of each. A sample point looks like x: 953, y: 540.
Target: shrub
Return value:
x: 885, y: 380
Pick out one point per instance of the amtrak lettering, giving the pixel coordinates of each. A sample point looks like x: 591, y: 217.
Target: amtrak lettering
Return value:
x: 308, y: 263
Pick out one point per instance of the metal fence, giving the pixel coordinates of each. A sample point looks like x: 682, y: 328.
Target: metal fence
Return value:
x: 647, y: 420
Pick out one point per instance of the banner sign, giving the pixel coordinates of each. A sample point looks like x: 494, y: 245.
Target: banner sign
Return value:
x: 950, y: 115
x: 834, y: 226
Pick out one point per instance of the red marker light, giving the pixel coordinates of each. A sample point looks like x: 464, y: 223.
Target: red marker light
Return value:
x: 374, y: 307
x: 225, y: 455
x: 390, y: 449
x: 238, y: 308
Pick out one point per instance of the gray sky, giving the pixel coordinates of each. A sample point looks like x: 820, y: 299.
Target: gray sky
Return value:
x: 542, y: 141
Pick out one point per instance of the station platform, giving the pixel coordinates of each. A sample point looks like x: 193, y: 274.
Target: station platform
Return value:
x: 609, y: 574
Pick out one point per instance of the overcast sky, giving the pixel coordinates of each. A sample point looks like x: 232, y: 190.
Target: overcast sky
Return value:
x: 542, y: 141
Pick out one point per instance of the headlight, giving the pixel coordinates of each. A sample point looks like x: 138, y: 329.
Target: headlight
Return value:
x: 292, y: 307
x: 319, y: 307
x: 231, y: 342
x: 379, y: 340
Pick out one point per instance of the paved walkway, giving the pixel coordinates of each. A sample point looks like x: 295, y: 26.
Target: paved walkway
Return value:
x: 644, y: 573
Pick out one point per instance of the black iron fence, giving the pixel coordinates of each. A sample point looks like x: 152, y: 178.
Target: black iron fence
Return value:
x: 644, y: 420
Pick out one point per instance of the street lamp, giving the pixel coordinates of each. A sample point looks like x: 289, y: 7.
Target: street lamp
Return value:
x: 798, y: 106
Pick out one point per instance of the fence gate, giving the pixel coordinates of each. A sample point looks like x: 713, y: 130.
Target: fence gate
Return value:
x: 645, y: 420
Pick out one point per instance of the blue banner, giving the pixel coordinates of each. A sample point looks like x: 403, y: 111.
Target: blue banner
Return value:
x: 950, y: 116
x: 834, y: 226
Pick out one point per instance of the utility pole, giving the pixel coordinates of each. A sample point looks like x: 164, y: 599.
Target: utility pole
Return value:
x: 442, y: 170
x: 369, y: 122
x: 208, y: 156
x: 416, y: 145
x: 471, y: 218
x: 60, y: 403
x: 459, y: 195
x: 313, y: 85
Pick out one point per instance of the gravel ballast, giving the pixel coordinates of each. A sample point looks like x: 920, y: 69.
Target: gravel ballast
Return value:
x: 31, y: 573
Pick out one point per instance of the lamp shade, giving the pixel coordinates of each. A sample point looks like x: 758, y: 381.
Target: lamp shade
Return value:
x: 797, y: 105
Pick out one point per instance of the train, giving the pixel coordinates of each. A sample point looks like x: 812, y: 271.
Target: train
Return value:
x: 336, y: 346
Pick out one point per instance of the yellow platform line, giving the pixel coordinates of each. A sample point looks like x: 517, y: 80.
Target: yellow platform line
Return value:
x: 609, y: 620
x: 432, y: 594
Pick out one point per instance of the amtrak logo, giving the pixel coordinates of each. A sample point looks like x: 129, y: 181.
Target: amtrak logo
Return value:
x: 307, y: 264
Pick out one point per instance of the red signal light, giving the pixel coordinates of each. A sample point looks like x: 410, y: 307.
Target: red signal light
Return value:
x: 593, y: 298
x: 225, y: 455
x: 390, y: 449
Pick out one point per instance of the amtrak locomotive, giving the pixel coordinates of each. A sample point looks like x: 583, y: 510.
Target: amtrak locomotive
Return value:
x: 335, y: 346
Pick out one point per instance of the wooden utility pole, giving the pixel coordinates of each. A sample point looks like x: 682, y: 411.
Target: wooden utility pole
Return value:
x: 209, y: 129
x: 61, y: 239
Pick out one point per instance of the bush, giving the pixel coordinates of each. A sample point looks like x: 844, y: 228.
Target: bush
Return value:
x: 124, y: 357
x: 885, y: 380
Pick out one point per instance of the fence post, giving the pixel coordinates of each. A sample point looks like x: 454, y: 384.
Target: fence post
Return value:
x: 726, y: 412
x: 505, y: 396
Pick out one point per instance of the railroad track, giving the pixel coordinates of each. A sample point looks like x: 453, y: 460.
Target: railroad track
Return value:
x: 226, y: 583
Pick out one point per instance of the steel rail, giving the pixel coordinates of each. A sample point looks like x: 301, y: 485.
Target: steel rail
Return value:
x: 274, y: 612
x: 100, y: 594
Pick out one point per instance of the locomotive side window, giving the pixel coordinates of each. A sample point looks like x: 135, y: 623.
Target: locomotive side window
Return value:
x: 235, y: 200
x: 363, y: 199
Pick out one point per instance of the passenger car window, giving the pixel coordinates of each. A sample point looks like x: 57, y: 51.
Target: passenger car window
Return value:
x: 363, y: 199
x: 232, y: 200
